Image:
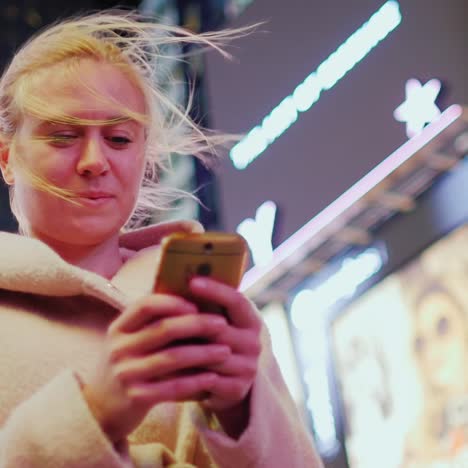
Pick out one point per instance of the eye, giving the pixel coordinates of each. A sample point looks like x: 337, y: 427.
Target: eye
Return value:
x: 119, y: 141
x: 62, y: 139
x: 443, y: 326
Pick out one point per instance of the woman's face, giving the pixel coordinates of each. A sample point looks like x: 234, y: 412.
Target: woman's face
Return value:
x: 102, y: 163
x: 441, y: 342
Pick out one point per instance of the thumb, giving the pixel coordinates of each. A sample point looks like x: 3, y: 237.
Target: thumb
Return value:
x: 152, y: 235
x: 184, y: 225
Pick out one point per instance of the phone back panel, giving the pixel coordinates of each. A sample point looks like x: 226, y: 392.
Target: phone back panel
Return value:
x: 220, y: 256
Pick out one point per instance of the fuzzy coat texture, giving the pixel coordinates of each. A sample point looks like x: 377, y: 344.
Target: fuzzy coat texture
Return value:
x: 52, y: 319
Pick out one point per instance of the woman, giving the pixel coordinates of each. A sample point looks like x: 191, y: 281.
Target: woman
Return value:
x: 440, y: 345
x: 92, y: 370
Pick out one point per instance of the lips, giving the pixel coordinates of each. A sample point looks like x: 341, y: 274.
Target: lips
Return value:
x: 94, y: 195
x: 94, y: 199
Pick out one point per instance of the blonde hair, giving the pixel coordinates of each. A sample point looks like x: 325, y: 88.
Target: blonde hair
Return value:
x: 135, y: 45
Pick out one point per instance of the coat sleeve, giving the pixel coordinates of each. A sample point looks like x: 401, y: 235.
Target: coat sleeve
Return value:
x: 275, y: 436
x: 54, y: 428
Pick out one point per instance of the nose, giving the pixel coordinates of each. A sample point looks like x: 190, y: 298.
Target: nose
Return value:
x: 92, y: 161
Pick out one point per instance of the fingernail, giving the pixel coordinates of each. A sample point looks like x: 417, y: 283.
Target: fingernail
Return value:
x: 196, y: 227
x: 199, y: 282
x: 217, y: 320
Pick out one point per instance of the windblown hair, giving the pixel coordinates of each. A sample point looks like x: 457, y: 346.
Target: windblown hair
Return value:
x: 137, y: 46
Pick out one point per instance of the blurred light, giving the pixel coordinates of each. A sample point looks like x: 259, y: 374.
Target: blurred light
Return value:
x: 419, y: 107
x: 309, y: 304
x: 340, y: 62
x: 321, y: 407
x: 259, y: 231
x: 312, y: 348
x: 236, y: 7
x: 274, y: 317
x: 280, y: 119
x: 307, y: 93
x: 301, y: 311
x: 308, y: 312
x: 298, y: 241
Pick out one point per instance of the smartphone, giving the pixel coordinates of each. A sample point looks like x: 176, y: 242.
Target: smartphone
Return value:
x: 218, y: 255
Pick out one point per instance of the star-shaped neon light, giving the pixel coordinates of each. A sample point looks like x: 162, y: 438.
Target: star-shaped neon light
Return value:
x: 419, y: 108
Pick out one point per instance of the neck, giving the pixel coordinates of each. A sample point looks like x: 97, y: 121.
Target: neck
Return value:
x: 103, y: 258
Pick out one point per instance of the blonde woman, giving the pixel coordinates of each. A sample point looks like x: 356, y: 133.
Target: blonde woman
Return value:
x: 92, y: 372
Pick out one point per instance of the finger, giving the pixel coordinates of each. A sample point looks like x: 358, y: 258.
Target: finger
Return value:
x: 244, y: 367
x: 149, y: 309
x: 180, y: 388
x: 226, y: 391
x: 135, y: 239
x: 240, y: 310
x: 241, y: 341
x: 169, y: 361
x: 167, y: 330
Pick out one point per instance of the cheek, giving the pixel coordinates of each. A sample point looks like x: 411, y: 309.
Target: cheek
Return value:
x: 45, y: 163
x: 35, y: 205
x: 57, y: 168
x: 130, y: 172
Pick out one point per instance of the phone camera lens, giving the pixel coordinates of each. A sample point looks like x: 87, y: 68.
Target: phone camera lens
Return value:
x: 208, y: 247
x: 204, y: 269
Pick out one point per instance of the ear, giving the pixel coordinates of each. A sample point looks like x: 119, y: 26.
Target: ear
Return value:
x: 5, y: 167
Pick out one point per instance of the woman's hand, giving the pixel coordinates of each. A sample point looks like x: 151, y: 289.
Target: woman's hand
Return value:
x: 234, y: 375
x: 146, y: 361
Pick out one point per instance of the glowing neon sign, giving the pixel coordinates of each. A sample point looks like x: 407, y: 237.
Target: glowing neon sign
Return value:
x: 335, y: 67
x: 419, y: 107
x: 341, y: 285
x: 259, y: 231
x: 308, y: 312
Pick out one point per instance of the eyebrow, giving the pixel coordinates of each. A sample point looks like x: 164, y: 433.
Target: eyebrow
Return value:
x: 82, y: 122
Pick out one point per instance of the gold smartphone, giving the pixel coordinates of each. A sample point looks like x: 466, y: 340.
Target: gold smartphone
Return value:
x: 218, y: 255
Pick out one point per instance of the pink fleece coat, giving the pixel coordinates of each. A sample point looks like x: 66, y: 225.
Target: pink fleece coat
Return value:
x: 52, y: 319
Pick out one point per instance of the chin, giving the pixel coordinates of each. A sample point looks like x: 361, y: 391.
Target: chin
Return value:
x: 85, y: 232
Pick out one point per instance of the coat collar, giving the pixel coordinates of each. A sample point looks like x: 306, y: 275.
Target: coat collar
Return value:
x: 29, y: 265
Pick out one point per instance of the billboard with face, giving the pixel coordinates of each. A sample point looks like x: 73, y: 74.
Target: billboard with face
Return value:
x: 401, y: 355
